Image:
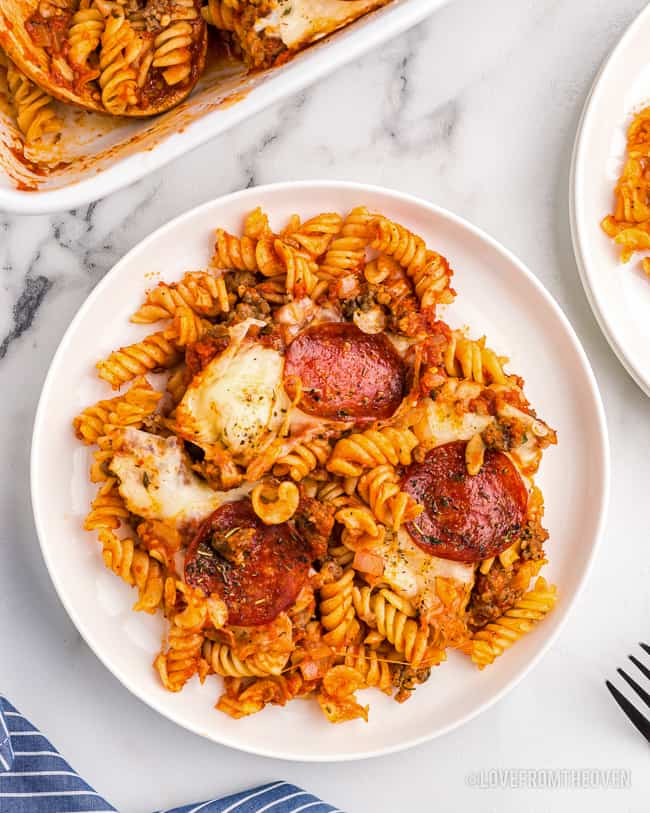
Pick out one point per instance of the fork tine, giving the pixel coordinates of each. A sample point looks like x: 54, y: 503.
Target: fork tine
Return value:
x: 645, y: 648
x: 637, y: 719
x: 643, y: 669
x: 630, y: 682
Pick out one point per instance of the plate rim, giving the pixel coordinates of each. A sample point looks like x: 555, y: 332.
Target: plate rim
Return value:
x: 577, y: 227
x: 39, y: 427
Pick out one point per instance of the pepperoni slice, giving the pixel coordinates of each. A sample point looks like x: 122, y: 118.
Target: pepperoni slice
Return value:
x: 466, y: 518
x: 258, y: 570
x: 345, y: 374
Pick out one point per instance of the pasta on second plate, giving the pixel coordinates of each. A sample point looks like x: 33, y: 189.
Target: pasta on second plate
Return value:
x: 335, y: 487
x: 629, y: 224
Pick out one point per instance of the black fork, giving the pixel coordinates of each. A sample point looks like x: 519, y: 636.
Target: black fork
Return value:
x: 636, y: 717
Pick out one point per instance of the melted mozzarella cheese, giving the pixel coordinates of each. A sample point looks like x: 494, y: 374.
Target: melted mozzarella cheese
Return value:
x: 237, y: 399
x: 156, y: 481
x: 440, y: 423
x: 411, y: 572
x: 234, y: 400
x: 299, y: 22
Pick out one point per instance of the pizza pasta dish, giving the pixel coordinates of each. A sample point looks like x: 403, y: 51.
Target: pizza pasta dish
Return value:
x: 332, y: 487
x: 142, y: 57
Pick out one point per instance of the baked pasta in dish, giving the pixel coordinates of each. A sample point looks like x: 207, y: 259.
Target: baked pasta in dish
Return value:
x: 142, y: 57
x: 124, y: 57
x: 33, y: 108
x: 334, y: 487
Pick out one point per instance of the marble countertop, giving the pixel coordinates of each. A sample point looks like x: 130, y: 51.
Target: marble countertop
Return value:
x: 476, y: 110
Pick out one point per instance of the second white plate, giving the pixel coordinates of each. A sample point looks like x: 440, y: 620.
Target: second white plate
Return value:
x: 619, y: 294
x: 497, y: 296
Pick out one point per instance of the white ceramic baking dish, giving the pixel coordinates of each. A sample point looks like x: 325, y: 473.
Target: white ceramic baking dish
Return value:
x: 100, y: 155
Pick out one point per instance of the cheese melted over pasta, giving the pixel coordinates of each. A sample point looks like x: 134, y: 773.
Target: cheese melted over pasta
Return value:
x: 299, y: 22
x: 336, y: 487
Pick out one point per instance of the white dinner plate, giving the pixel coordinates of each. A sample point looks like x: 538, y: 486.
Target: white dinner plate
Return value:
x: 497, y: 296
x: 619, y: 294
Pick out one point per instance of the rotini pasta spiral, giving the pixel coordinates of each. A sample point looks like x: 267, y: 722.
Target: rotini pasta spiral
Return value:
x: 256, y: 224
x: 337, y: 492
x: 187, y: 327
x: 472, y: 360
x: 374, y: 669
x: 234, y: 253
x: 497, y: 636
x: 346, y: 253
x: 360, y: 522
x: 358, y: 224
x: 136, y: 567
x: 107, y: 510
x: 172, y: 52
x: 429, y: 271
x: 268, y: 262
x: 202, y: 292
x: 153, y: 354
x: 303, y: 459
x: 393, y: 617
x: 361, y: 601
x: 275, y: 689
x: 432, y: 281
x: 395, y: 288
x: 130, y: 409
x: 84, y: 37
x: 315, y: 235
x: 337, y: 698
x: 396, y: 241
x: 362, y: 450
x: 35, y: 113
x: 380, y: 489
x: 183, y: 657
x: 120, y: 48
x: 181, y: 660
x: 223, y: 661
x: 336, y: 610
x: 301, y: 272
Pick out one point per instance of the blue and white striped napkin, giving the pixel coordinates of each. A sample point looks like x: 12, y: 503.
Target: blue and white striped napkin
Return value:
x: 35, y: 778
